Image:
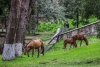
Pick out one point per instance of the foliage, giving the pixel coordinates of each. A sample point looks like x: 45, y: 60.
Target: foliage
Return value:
x: 49, y: 27
x: 91, y: 7
x: 74, y: 10
x: 84, y: 56
x: 51, y: 10
x: 4, y: 7
x: 81, y: 10
x: 90, y: 20
x: 32, y: 25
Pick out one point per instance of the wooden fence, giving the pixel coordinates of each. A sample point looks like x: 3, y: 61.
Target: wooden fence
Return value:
x: 87, y: 30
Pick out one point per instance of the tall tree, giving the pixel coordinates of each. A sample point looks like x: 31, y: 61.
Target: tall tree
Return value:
x: 50, y: 10
x: 73, y: 8
x: 19, y: 15
x: 92, y: 7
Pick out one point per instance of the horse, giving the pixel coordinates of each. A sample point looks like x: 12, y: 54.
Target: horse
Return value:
x: 34, y: 44
x: 69, y: 41
x: 80, y: 37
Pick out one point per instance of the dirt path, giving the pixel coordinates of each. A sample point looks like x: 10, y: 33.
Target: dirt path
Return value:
x: 44, y: 35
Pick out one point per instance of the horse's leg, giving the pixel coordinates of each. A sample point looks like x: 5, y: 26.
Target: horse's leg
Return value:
x: 28, y: 54
x: 80, y: 43
x: 86, y: 41
x: 70, y: 46
x: 75, y: 45
x: 64, y: 47
x: 38, y: 53
x: 32, y: 52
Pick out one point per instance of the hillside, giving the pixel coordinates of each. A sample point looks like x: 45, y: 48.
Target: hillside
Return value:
x: 84, y: 56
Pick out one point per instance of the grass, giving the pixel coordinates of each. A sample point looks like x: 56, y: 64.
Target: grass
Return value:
x: 84, y: 56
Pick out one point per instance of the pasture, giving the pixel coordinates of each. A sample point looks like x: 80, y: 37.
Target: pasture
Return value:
x: 84, y: 56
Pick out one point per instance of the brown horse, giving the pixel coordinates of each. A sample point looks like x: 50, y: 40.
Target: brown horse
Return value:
x: 34, y: 44
x: 80, y: 37
x: 69, y: 41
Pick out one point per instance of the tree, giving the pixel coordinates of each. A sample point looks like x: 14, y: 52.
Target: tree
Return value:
x: 19, y: 15
x: 51, y: 10
x: 92, y: 7
x: 4, y: 7
x: 73, y: 10
x: 4, y: 11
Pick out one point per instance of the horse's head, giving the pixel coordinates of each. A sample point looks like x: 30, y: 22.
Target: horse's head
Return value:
x: 25, y: 50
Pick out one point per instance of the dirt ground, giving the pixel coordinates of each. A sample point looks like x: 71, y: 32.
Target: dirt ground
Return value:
x: 46, y: 36
x: 28, y: 38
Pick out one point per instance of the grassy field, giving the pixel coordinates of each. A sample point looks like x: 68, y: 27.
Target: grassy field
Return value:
x: 84, y: 56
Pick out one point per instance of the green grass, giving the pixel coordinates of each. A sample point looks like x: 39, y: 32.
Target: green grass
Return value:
x: 84, y: 56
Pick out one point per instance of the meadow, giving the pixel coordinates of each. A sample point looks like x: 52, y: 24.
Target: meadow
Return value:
x: 84, y: 56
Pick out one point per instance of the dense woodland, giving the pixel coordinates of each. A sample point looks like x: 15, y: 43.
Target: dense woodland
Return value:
x: 57, y: 11
x: 21, y: 17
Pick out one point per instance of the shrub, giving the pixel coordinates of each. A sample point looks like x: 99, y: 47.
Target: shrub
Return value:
x: 43, y: 26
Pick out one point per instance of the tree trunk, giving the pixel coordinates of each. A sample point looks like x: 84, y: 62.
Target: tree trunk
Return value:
x: 77, y: 17
x: 22, y: 27
x: 9, y: 46
x: 25, y: 14
x: 18, y: 18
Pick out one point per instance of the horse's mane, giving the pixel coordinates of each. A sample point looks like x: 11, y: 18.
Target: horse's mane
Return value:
x: 30, y: 41
x: 27, y: 43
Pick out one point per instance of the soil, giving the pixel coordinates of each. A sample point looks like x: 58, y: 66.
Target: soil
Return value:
x: 37, y: 36
x: 30, y: 37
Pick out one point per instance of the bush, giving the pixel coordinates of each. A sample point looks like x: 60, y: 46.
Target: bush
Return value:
x: 49, y: 27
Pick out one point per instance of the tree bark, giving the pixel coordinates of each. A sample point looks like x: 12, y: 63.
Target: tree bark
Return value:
x: 18, y: 18
x: 22, y: 26
x: 8, y: 51
x: 26, y: 9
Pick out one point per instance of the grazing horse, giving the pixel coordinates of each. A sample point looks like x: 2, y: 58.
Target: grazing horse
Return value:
x: 80, y: 37
x: 69, y: 41
x: 34, y: 44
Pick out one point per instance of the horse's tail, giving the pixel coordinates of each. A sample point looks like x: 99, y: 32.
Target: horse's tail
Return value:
x: 86, y: 41
x: 42, y: 47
